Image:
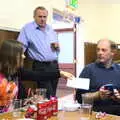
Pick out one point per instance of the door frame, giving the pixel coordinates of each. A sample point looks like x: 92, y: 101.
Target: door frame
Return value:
x: 74, y: 43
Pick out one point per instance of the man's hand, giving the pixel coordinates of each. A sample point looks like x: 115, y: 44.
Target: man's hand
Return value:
x: 116, y: 95
x: 66, y: 75
x: 55, y: 46
x: 104, y: 94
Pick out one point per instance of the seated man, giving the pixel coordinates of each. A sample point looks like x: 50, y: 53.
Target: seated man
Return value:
x: 103, y: 71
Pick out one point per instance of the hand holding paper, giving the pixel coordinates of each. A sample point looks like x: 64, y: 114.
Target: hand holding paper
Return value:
x: 81, y: 83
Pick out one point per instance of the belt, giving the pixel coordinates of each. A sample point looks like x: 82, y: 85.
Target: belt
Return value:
x: 46, y: 62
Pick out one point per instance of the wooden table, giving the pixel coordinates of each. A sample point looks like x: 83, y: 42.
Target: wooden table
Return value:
x: 76, y: 116
x: 62, y: 116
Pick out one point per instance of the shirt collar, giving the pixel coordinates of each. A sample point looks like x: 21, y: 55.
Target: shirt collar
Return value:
x: 102, y: 65
x: 36, y: 26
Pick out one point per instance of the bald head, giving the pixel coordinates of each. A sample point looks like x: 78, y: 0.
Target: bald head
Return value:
x: 105, y: 50
x: 108, y: 42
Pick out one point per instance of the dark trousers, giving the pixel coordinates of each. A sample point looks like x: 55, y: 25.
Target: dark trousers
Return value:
x: 50, y: 83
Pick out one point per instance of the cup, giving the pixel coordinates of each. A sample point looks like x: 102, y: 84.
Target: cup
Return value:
x: 17, y: 104
x: 85, y: 111
x: 87, y: 99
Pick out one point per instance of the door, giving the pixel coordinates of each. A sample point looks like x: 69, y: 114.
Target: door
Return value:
x: 67, y: 56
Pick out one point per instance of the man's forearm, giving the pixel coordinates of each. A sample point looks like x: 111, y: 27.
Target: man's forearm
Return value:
x: 94, y: 95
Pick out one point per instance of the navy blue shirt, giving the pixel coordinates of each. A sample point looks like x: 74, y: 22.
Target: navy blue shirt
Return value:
x: 99, y: 76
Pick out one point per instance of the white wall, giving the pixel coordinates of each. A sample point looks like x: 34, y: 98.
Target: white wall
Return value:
x: 101, y: 17
x: 111, y: 21
x: 15, y: 13
x: 80, y: 48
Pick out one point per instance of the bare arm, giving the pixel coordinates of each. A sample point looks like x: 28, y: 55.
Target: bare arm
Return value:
x: 66, y: 74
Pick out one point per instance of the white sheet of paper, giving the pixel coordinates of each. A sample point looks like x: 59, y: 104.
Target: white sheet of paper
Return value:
x: 81, y: 83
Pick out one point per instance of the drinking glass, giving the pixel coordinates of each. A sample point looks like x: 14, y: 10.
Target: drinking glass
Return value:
x: 17, y: 104
x: 85, y: 111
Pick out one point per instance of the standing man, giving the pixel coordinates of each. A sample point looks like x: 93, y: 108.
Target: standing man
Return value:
x: 101, y: 73
x: 42, y: 48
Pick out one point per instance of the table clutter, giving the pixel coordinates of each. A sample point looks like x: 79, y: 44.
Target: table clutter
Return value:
x: 49, y: 110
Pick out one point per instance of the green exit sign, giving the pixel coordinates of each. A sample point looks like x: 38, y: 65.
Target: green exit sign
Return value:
x: 74, y: 3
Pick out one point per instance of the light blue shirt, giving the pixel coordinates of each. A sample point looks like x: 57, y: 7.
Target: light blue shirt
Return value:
x: 38, y: 42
